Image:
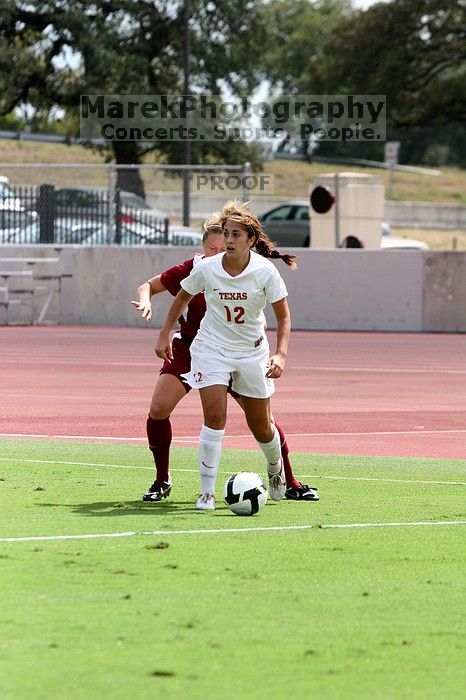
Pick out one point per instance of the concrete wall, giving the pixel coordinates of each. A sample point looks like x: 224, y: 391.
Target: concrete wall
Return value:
x: 445, y: 292
x: 399, y: 290
x: 356, y: 290
x: 424, y: 215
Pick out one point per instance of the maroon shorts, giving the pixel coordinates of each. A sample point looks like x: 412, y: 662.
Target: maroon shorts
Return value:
x: 181, y: 363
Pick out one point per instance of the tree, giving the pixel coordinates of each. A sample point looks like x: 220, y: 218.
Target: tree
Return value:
x: 298, y: 33
x: 413, y: 51
x: 124, y: 47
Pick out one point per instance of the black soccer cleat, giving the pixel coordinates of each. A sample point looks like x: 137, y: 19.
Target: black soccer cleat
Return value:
x: 157, y: 491
x: 302, y: 493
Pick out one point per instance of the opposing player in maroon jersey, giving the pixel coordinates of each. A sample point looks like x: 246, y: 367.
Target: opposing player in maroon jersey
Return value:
x: 171, y: 387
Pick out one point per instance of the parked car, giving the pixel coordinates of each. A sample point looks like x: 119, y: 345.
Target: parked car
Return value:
x: 139, y: 235
x: 13, y: 214
x: 288, y: 224
x: 8, y: 199
x: 183, y: 235
x: 93, y: 202
x: 66, y: 230
x: 389, y: 242
x: 129, y: 234
x: 401, y: 243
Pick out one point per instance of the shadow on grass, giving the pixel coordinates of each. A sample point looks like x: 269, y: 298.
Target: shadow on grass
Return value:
x: 102, y: 509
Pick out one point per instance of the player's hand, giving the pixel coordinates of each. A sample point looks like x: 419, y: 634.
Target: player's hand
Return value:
x: 275, y: 367
x: 145, y: 308
x: 163, y: 347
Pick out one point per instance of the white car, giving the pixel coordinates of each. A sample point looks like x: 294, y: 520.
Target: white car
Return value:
x: 397, y: 243
x: 183, y: 235
x: 144, y: 235
x: 389, y: 242
x: 65, y: 231
x: 13, y: 215
x: 8, y: 199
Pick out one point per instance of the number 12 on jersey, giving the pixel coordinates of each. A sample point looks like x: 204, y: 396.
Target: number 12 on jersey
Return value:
x: 236, y: 316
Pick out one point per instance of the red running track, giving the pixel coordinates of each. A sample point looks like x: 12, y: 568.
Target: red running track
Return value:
x: 381, y: 394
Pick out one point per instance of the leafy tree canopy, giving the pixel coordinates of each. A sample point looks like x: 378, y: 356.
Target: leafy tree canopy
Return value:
x: 126, y: 47
x: 413, y: 51
x: 298, y: 31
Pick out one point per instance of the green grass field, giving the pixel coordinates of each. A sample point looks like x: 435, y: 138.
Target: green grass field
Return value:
x: 284, y: 604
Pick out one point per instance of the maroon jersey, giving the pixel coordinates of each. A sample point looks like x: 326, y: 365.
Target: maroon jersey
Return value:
x: 196, y: 308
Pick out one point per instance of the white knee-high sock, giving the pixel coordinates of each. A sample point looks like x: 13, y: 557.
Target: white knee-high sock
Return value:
x: 272, y: 453
x: 210, y: 449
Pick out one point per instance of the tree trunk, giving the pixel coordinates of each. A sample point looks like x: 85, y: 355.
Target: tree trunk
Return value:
x: 126, y: 152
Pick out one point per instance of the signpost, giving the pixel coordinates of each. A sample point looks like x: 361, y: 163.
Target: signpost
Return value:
x: 391, y: 151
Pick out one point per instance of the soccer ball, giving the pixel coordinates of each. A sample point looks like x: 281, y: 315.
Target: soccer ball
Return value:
x: 244, y: 493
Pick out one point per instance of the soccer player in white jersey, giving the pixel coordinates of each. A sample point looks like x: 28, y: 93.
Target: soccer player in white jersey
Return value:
x: 231, y: 346
x: 171, y: 387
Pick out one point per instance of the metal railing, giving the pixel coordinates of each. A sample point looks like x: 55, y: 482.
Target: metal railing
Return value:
x: 85, y: 203
x: 46, y: 214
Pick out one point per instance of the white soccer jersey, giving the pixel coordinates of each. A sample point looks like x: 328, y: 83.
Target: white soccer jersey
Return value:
x: 234, y: 304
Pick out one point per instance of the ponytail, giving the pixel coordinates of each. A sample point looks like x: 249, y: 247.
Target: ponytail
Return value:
x: 267, y: 250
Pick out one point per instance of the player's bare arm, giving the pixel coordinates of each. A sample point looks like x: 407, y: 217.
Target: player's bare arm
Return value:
x: 163, y: 346
x: 276, y: 363
x: 145, y: 292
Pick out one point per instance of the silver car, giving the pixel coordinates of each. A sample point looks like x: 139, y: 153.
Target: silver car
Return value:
x: 144, y: 235
x: 64, y: 231
x: 288, y: 224
x: 92, y: 202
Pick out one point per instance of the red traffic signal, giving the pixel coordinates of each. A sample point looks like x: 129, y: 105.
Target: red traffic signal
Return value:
x: 322, y: 199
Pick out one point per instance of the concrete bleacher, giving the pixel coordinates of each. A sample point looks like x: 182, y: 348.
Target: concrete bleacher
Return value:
x: 28, y: 288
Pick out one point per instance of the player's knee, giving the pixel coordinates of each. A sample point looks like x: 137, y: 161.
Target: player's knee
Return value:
x: 262, y: 432
x: 159, y: 410
x: 215, y: 419
x: 263, y: 436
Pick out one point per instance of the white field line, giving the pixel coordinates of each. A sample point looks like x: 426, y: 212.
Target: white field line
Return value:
x: 298, y: 367
x: 374, y: 478
x: 390, y: 370
x: 76, y: 361
x: 373, y: 432
x: 78, y: 437
x: 69, y: 398
x: 195, y: 471
x: 195, y: 438
x: 228, y: 531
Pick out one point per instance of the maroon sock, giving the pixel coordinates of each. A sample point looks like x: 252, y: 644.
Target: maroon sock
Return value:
x: 159, y: 435
x: 291, y: 480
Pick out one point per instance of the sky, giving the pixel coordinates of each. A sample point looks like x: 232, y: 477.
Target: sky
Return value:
x: 364, y: 4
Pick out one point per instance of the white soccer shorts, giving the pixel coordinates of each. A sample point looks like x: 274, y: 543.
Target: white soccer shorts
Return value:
x: 212, y: 365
